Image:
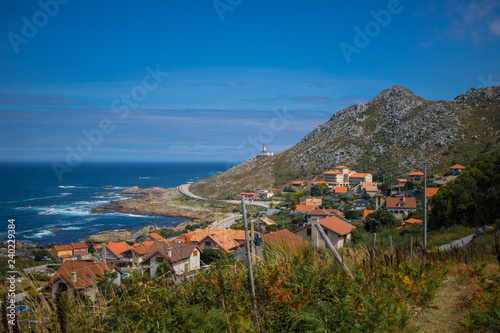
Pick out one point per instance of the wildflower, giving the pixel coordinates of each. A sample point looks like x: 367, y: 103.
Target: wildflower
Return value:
x: 143, y: 300
x: 139, y: 284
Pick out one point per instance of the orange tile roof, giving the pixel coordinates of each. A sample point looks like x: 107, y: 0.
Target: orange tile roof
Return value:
x: 284, y: 238
x: 457, y: 166
x: 98, y: 246
x: 224, y: 242
x: 360, y: 174
x: 319, y: 182
x: 118, y: 248
x: 340, y: 189
x: 431, y: 191
x: 366, y: 212
x: 141, y: 250
x: 304, y: 208
x: 392, y: 203
x: 412, y: 220
x: 333, y: 172
x: 341, y: 167
x: 416, y: 173
x: 178, y: 251
x: 266, y: 220
x: 370, y: 187
x: 338, y: 226
x: 297, y: 183
x: 85, y: 271
x: 318, y: 212
x: 155, y: 235
x: 63, y: 248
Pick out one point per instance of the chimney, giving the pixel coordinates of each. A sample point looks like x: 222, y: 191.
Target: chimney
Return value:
x: 314, y: 234
x: 73, y: 276
x: 169, y: 252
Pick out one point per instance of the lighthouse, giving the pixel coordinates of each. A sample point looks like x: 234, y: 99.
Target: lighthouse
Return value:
x: 264, y: 152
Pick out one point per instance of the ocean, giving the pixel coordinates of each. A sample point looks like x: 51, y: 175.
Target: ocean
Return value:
x: 31, y: 194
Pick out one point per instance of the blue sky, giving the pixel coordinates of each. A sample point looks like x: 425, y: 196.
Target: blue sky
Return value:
x: 213, y: 80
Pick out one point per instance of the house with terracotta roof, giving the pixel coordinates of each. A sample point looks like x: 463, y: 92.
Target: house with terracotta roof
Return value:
x: 400, y: 207
x: 367, y: 212
x: 134, y: 255
x: 369, y: 188
x: 409, y: 222
x: 182, y: 257
x: 316, y: 202
x: 316, y: 215
x: 338, y: 232
x: 304, y: 208
x: 416, y: 176
x: 456, y: 169
x: 62, y: 251
x: 262, y: 224
x: 339, y: 190
x: 111, y: 253
x: 75, y: 276
x: 284, y: 238
x: 379, y: 200
x: 150, y: 237
x: 220, y: 241
x: 298, y: 183
x: 248, y: 196
x: 334, y: 212
x: 401, y: 182
x: 430, y: 192
x: 80, y: 250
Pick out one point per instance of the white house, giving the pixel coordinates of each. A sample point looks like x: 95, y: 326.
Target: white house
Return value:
x: 338, y: 232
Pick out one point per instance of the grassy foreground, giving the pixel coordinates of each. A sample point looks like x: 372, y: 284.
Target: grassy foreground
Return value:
x: 296, y: 290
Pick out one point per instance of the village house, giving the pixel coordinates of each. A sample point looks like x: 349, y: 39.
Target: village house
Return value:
x: 134, y: 255
x: 401, y: 182
x: 367, y: 212
x: 80, y: 251
x: 361, y: 204
x: 264, y: 194
x: 316, y: 215
x: 248, y: 196
x: 416, y: 176
x: 62, y: 251
x: 379, y: 200
x: 338, y: 232
x: 80, y: 277
x: 339, y: 190
x: 369, y: 188
x: 111, y: 253
x: 298, y: 183
x: 222, y: 239
x: 150, y: 237
x: 182, y: 257
x: 334, y: 177
x: 316, y: 202
x: 430, y: 192
x: 304, y: 208
x: 284, y: 238
x: 262, y: 224
x: 402, y: 206
x: 456, y: 169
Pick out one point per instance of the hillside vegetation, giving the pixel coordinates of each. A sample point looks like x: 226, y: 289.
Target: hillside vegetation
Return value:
x: 388, y: 135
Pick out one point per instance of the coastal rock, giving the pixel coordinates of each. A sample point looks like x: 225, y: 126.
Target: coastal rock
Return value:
x: 109, y: 186
x: 106, y: 195
x: 110, y: 236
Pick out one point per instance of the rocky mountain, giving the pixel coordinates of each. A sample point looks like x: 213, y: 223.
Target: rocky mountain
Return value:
x: 388, y: 135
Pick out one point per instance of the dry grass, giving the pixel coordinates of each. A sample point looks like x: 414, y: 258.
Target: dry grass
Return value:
x: 451, y: 302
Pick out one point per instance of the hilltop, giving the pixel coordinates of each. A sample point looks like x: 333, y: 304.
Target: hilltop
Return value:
x: 389, y: 134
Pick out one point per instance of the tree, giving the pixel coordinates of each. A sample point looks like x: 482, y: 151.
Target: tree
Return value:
x: 471, y: 200
x: 39, y: 254
x: 298, y: 195
x: 316, y: 191
x: 328, y: 201
x: 379, y: 220
x: 163, y: 269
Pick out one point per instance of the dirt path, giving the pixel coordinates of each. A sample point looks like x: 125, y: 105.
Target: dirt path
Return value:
x: 443, y: 314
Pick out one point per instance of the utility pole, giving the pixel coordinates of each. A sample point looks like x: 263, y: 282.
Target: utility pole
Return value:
x: 424, y: 199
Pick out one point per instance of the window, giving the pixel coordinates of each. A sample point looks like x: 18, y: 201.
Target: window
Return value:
x: 208, y: 243
x: 308, y: 231
x: 159, y: 259
x: 195, y: 253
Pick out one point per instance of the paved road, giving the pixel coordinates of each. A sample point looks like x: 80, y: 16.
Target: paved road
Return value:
x: 227, y: 222
x: 184, y: 189
x: 457, y: 243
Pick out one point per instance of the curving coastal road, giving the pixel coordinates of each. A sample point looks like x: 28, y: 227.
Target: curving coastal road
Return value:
x: 184, y: 190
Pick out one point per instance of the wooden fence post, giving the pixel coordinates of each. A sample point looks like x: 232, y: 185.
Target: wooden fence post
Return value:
x: 390, y: 247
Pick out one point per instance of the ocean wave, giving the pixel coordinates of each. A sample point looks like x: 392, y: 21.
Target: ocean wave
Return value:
x: 49, y: 197
x: 144, y: 177
x: 40, y: 234
x: 72, y: 228
x: 66, y: 186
